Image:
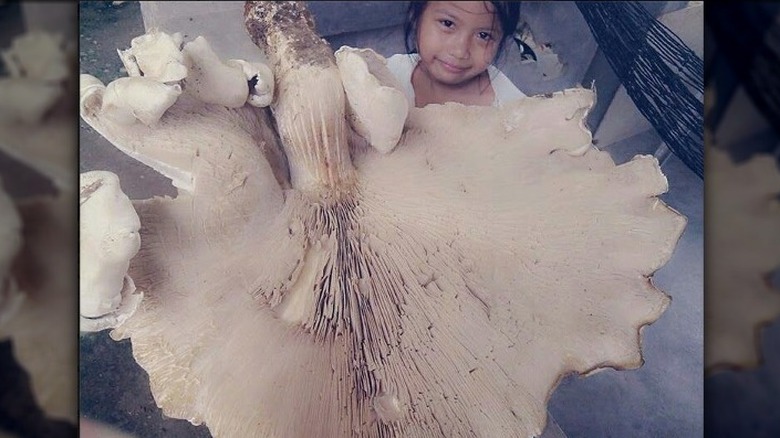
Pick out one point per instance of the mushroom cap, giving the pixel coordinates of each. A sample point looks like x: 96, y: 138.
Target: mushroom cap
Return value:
x: 377, y: 106
x: 210, y: 79
x: 741, y: 231
x: 109, y: 233
x: 491, y: 253
x: 155, y: 55
x: 262, y: 93
x: 126, y: 100
x: 172, y: 147
x: 91, y: 90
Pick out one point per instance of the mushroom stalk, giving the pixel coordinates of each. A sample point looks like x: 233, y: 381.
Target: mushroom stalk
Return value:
x: 310, y: 106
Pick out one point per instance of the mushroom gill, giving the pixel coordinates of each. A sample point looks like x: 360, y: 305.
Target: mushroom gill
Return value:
x: 441, y: 289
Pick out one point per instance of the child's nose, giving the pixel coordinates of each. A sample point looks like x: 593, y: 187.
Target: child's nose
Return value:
x: 459, y: 48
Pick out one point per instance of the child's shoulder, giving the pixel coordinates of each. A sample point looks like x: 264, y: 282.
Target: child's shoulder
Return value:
x: 403, y: 61
x: 503, y: 87
x: 401, y: 66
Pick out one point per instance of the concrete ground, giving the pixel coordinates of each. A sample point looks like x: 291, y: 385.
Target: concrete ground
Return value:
x: 663, y: 398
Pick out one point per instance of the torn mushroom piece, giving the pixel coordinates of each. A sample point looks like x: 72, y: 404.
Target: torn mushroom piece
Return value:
x: 155, y: 55
x: 212, y: 81
x: 377, y: 106
x: 126, y: 100
x: 260, y: 79
x: 164, y: 58
x: 91, y: 91
x: 108, y: 239
x: 415, y: 293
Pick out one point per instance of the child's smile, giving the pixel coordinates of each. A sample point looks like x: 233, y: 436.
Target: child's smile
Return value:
x: 452, y: 68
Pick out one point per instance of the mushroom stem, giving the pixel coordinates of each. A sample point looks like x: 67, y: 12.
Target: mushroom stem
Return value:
x: 310, y: 109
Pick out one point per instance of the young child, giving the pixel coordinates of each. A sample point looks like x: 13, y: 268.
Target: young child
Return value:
x: 451, y: 46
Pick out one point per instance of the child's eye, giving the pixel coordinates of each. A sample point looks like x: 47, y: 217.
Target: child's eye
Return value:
x: 446, y: 23
x: 485, y: 36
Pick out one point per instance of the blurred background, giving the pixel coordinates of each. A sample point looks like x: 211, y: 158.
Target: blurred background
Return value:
x: 742, y: 58
x: 37, y: 166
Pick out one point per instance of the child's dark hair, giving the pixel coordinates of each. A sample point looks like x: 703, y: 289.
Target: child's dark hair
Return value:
x: 508, y: 14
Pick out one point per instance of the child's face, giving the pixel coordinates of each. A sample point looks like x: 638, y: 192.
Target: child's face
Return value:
x: 457, y: 40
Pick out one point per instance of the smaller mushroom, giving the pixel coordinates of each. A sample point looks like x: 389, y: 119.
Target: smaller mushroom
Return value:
x: 91, y: 91
x: 260, y: 79
x: 116, y: 113
x: 377, y: 108
x: 126, y: 100
x: 212, y: 81
x: 155, y: 55
x: 108, y: 240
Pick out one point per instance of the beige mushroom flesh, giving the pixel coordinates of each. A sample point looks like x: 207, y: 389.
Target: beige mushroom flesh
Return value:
x: 442, y: 287
x: 108, y: 239
x: 155, y: 55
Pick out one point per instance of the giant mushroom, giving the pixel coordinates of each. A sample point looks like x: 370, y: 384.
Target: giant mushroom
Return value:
x: 306, y: 282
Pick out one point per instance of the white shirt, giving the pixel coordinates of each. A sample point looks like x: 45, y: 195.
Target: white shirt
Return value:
x: 402, y: 65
